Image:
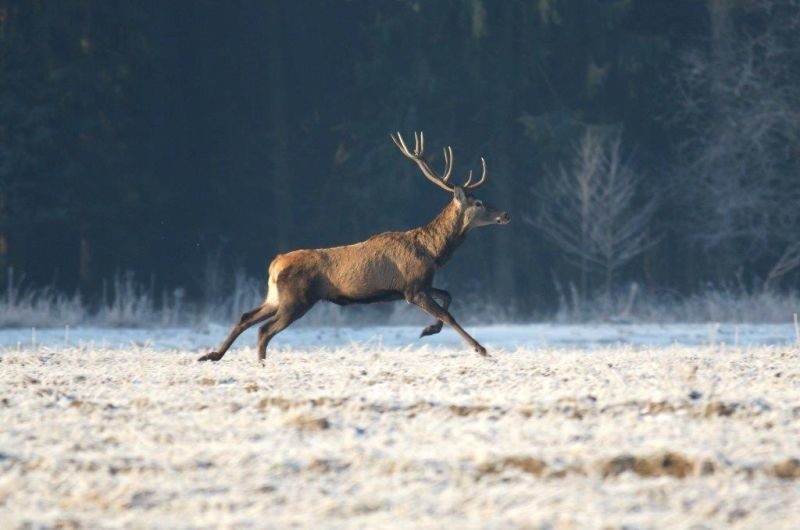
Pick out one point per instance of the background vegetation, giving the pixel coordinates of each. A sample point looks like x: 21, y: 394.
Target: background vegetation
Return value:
x: 646, y: 142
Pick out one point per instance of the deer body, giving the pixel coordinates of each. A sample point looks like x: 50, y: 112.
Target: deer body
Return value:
x: 386, y: 267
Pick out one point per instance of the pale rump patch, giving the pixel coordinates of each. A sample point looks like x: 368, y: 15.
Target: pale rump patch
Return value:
x: 272, y: 293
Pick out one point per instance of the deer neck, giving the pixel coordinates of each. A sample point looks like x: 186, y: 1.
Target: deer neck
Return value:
x: 442, y: 236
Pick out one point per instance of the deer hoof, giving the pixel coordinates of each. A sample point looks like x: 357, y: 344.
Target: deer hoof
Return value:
x: 481, y: 350
x: 433, y: 329
x: 213, y: 356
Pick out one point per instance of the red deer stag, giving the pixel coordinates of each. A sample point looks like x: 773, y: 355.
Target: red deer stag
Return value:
x: 386, y: 267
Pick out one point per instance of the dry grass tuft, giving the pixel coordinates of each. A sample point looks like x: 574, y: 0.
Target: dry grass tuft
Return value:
x: 327, y: 465
x: 720, y: 408
x: 788, y: 469
x: 526, y: 464
x: 657, y: 465
x: 467, y: 410
x: 305, y: 422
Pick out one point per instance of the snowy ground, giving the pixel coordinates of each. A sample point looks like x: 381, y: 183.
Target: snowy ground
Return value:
x: 585, y: 336
x: 569, y: 427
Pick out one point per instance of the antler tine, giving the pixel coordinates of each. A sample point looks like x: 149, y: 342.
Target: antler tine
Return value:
x: 416, y: 156
x: 448, y: 163
x: 469, y: 179
x: 398, y: 141
x: 484, y: 175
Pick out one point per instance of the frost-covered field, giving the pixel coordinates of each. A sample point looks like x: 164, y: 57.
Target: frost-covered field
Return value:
x: 569, y: 427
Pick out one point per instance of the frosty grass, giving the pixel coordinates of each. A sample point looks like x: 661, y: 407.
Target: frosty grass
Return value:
x: 361, y: 431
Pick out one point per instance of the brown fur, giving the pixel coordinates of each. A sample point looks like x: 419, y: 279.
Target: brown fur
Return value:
x: 391, y: 262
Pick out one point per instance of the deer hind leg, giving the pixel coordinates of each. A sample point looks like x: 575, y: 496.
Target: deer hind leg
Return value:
x: 445, y: 298
x: 287, y: 313
x: 248, y: 319
x: 425, y: 301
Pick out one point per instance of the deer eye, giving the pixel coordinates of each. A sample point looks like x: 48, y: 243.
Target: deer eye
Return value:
x: 479, y: 204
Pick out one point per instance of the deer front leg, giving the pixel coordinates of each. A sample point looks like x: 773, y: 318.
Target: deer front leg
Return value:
x: 425, y: 301
x: 445, y: 299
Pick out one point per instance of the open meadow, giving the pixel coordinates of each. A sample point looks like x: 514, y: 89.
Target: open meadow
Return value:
x: 568, y: 427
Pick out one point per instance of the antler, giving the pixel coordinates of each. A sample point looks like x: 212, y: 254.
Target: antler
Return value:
x: 443, y: 180
x: 416, y: 156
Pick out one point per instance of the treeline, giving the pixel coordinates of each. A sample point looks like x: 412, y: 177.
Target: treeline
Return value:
x: 176, y: 139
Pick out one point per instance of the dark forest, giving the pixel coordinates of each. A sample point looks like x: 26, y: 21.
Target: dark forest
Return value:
x: 647, y: 142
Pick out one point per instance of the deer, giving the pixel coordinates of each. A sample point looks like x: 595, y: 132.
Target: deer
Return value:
x: 390, y: 266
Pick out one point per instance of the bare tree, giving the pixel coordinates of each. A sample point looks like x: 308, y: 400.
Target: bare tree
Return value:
x: 592, y: 209
x: 789, y: 260
x: 740, y: 99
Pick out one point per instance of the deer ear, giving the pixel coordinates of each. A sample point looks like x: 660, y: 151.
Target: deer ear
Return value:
x: 459, y: 195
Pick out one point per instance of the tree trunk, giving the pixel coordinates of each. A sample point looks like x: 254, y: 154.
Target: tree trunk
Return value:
x: 503, y: 273
x: 84, y: 258
x: 720, y: 20
x: 3, y: 240
x: 280, y: 182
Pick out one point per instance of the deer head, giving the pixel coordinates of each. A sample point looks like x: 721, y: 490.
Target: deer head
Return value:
x: 476, y: 212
